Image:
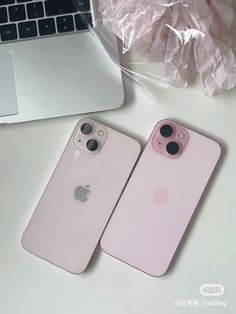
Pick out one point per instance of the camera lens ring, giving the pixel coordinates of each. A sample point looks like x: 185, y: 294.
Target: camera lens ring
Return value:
x: 86, y: 128
x: 166, y: 130
x: 92, y: 145
x: 172, y: 148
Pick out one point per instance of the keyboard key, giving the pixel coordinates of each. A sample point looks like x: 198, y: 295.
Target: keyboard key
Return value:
x: 65, y: 24
x: 82, y: 5
x: 5, y: 2
x: 59, y: 7
x: 47, y: 27
x: 35, y: 10
x: 17, y: 13
x: 27, y: 29
x: 82, y: 21
x: 8, y: 32
x: 3, y: 15
x: 21, y: 1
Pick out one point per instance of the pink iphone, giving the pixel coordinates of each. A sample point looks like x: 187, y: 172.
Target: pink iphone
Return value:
x: 81, y: 195
x: 160, y: 197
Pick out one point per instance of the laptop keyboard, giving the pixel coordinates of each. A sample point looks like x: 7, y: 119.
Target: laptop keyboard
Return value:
x: 29, y: 19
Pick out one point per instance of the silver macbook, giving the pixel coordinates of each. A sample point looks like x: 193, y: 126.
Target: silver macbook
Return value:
x: 50, y: 64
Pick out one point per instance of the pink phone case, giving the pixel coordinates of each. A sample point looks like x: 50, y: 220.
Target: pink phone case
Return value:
x: 80, y: 197
x: 159, y: 200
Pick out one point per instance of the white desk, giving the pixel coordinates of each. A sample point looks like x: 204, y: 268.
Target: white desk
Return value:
x: 28, y: 154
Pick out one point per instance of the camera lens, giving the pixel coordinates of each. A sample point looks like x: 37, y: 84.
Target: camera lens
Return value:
x: 86, y: 128
x: 92, y: 145
x: 172, y: 148
x: 166, y: 130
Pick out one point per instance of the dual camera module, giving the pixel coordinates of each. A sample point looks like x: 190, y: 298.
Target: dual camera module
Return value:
x: 92, y: 144
x: 166, y: 131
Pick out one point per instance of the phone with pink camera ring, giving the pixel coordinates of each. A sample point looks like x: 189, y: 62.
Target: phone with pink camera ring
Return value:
x: 160, y: 197
x: 81, y: 195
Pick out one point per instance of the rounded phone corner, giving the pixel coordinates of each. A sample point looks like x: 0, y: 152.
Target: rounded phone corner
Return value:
x: 219, y: 149
x: 22, y: 241
x: 103, y: 248
x: 156, y: 272
x: 101, y: 244
x: 138, y: 145
x: 77, y: 271
x: 24, y: 245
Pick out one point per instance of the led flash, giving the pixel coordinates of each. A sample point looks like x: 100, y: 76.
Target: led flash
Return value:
x: 181, y: 136
x: 100, y: 133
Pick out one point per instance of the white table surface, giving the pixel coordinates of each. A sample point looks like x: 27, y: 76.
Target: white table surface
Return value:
x: 28, y: 154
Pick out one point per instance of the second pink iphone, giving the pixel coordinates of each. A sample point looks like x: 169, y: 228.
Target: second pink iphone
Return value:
x: 160, y: 197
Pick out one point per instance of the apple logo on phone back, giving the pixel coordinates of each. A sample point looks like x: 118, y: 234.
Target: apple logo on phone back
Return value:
x: 161, y: 196
x: 81, y: 193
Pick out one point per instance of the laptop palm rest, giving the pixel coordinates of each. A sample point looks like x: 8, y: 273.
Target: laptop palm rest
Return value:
x: 8, y: 96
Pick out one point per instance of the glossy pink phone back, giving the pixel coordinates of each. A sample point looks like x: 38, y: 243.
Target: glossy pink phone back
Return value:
x: 79, y: 199
x: 158, y: 202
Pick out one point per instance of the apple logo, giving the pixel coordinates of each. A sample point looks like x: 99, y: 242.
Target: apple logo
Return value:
x: 81, y: 193
x: 161, y: 195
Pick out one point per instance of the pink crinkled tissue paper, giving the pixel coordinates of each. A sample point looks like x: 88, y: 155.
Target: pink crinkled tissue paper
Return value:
x: 189, y: 36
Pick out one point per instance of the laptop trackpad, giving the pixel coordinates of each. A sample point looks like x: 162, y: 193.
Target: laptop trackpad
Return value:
x: 8, y: 96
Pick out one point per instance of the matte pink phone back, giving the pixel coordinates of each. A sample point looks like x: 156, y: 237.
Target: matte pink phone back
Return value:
x: 64, y: 230
x: 157, y: 204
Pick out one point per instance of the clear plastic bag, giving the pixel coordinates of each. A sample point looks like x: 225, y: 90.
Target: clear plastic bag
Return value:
x: 169, y: 42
